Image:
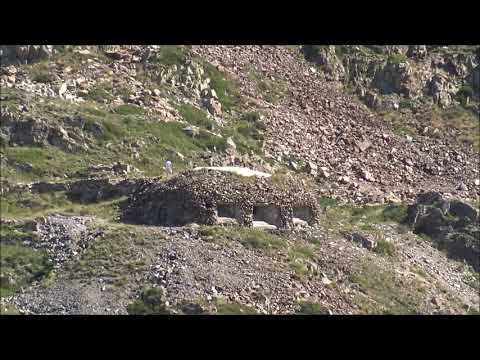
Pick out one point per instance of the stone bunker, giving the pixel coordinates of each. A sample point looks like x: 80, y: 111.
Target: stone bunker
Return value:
x: 211, y: 197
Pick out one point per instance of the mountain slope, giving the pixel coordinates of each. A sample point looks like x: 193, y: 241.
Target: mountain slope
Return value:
x: 83, y: 127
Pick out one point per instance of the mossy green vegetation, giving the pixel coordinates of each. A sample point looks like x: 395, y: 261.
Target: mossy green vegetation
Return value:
x: 42, y: 72
x: 195, y: 116
x: 9, y: 310
x: 20, y: 264
x: 381, y: 292
x: 117, y: 256
x: 458, y: 118
x: 363, y: 217
x: 385, y: 248
x: 170, y: 55
x: 225, y: 308
x: 151, y: 302
x: 273, y: 89
x: 225, y: 87
x: 27, y: 205
x: 397, y: 59
x: 248, y: 237
x: 113, y: 133
x: 312, y: 308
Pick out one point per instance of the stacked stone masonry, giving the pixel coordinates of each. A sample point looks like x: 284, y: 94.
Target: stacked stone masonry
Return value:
x: 207, y: 196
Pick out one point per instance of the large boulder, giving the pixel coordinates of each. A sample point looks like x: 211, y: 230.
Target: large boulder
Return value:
x: 461, y: 209
x: 442, y: 90
x: 397, y: 77
x: 326, y: 57
x: 27, y: 132
x: 474, y: 81
x: 24, y: 54
x: 453, y: 225
x: 418, y: 52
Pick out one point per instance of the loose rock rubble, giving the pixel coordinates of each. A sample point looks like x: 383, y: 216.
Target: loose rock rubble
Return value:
x: 320, y: 124
x: 64, y: 238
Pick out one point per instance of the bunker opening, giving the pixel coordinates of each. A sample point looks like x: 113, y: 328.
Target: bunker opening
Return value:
x: 228, y: 213
x: 303, y: 213
x: 175, y: 212
x: 266, y: 216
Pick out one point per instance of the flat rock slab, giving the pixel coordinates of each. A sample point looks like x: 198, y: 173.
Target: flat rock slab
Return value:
x: 263, y: 225
x: 236, y: 170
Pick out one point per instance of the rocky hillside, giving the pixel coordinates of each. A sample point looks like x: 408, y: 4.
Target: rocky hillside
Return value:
x: 366, y: 130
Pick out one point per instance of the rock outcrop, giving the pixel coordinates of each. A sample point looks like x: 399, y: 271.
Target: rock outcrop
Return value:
x: 24, y: 54
x: 453, y: 225
x: 410, y: 72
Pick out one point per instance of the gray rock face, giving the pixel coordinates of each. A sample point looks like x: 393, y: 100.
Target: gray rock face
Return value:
x: 461, y: 210
x: 94, y: 190
x: 192, y: 131
x: 24, y: 132
x: 213, y: 106
x: 43, y: 187
x: 362, y: 240
x: 441, y: 90
x: 24, y: 54
x: 6, y: 280
x: 397, y: 78
x: 75, y: 122
x: 417, y: 52
x: 453, y: 225
x: 474, y: 80
x: 412, y: 72
x: 29, y: 131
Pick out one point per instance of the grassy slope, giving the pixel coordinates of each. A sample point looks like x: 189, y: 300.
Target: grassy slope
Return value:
x: 116, y: 256
x: 125, y: 125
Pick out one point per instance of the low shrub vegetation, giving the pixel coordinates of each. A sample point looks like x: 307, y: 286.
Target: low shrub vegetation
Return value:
x: 311, y: 308
x: 151, y: 302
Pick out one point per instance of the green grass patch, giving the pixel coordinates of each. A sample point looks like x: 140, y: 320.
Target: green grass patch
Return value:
x: 457, y: 118
x: 21, y: 266
x: 225, y: 87
x: 129, y: 109
x: 42, y: 72
x: 272, y: 90
x: 248, y: 237
x: 67, y: 57
x: 27, y: 205
x: 311, y: 308
x: 170, y: 55
x: 161, y: 140
x: 251, y: 126
x: 297, y: 260
x: 121, y: 130
x: 397, y: 59
x: 117, y: 257
x: 9, y: 310
x: 328, y: 202
x: 385, y: 248
x: 397, y: 122
x: 473, y: 279
x: 101, y: 93
x: 463, y: 93
x: 384, y: 293
x: 195, y: 116
x: 151, y: 302
x: 394, y: 213
x: 234, y: 309
x: 12, y: 234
